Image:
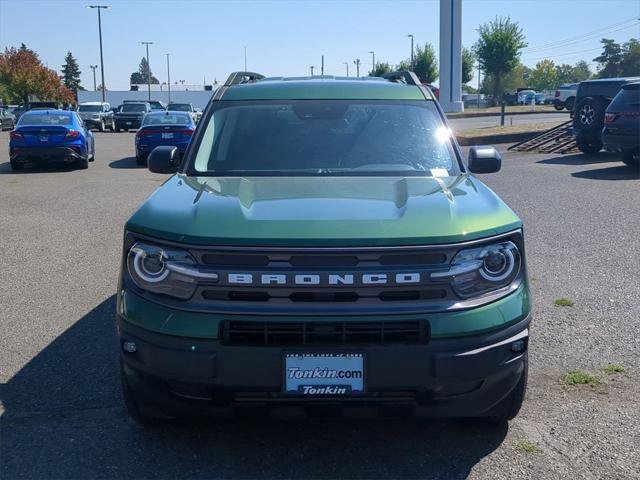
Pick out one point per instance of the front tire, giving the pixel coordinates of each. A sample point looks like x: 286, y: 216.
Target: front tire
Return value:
x: 568, y: 103
x: 558, y: 106
x: 509, y: 408
x: 83, y: 163
x: 589, y: 145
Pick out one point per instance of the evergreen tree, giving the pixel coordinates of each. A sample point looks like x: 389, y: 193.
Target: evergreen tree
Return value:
x: 71, y: 72
x: 140, y: 77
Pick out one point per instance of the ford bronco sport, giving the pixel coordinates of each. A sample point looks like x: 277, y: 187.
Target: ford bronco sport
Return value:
x: 323, y: 243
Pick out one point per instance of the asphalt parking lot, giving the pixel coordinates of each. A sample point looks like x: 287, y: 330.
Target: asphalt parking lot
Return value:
x: 60, y: 241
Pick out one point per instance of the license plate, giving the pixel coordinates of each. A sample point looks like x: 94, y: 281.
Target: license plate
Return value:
x: 324, y: 374
x: 166, y: 136
x: 128, y: 123
x: 44, y: 139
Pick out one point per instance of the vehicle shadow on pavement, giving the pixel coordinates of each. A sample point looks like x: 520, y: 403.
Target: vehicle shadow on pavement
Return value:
x: 5, y: 168
x: 581, y: 159
x: 64, y: 419
x: 126, y: 162
x: 620, y: 172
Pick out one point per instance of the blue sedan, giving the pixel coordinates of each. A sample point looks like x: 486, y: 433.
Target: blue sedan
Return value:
x: 163, y: 128
x: 43, y: 136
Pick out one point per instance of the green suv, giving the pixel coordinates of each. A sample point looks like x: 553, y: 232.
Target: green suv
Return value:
x: 323, y: 243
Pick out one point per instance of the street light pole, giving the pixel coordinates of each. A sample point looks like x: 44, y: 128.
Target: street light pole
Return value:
x: 411, y: 35
x: 478, y: 85
x: 146, y: 44
x: 100, y: 7
x: 168, y: 78
x: 93, y: 67
x: 312, y: 67
x: 322, y: 67
x: 357, y: 62
x: 347, y: 64
x: 373, y: 62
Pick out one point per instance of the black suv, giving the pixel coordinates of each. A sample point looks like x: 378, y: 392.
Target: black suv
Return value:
x: 129, y: 115
x: 621, y: 131
x: 591, y: 101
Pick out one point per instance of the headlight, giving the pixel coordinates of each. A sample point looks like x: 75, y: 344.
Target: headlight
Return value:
x: 480, y: 270
x: 166, y: 270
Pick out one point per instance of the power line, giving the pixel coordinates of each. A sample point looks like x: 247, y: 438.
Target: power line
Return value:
x: 632, y: 22
x: 563, y: 54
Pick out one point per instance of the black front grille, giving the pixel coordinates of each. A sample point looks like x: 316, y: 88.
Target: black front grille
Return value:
x: 323, y: 333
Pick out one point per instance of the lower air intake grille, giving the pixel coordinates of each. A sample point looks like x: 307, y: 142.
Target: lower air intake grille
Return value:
x: 323, y: 333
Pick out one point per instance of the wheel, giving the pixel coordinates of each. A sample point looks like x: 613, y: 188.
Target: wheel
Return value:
x: 509, y: 408
x: 83, y: 163
x: 143, y: 416
x: 631, y: 158
x: 16, y: 166
x: 102, y: 126
x: 589, y: 114
x: 589, y: 144
x: 558, y: 106
x: 568, y: 103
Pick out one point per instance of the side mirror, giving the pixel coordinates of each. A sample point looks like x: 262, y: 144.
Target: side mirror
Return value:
x: 164, y: 159
x: 484, y: 159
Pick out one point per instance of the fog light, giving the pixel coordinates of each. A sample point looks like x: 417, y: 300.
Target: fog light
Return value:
x: 517, y: 346
x: 129, y: 347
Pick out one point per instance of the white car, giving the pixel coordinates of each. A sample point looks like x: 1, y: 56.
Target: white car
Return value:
x: 565, y: 96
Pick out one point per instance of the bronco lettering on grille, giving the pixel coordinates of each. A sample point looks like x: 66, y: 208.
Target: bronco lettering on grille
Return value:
x: 324, y: 278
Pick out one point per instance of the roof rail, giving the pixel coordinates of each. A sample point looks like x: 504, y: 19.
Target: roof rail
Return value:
x: 237, y: 78
x: 403, y: 76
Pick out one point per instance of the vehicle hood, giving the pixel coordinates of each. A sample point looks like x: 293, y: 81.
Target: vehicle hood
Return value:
x: 322, y: 211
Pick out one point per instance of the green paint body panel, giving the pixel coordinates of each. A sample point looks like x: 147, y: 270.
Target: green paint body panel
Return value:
x: 161, y: 319
x: 323, y: 211
x: 323, y: 89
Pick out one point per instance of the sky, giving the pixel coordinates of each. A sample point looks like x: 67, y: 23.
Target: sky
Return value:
x: 206, y: 39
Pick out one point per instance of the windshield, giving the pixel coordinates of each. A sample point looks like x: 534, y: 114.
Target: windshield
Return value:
x: 179, y: 107
x: 340, y: 137
x: 133, y: 107
x: 90, y: 108
x: 166, y: 119
x: 45, y: 119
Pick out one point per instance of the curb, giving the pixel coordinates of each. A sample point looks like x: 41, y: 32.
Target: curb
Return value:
x: 452, y: 116
x: 499, y: 138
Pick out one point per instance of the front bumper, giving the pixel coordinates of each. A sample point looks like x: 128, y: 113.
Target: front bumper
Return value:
x: 445, y: 377
x: 46, y: 154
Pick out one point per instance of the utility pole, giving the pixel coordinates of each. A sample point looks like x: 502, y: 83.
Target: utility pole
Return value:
x: 411, y: 35
x: 478, y: 84
x: 100, y: 7
x: 373, y: 63
x: 322, y: 67
x: 312, y: 67
x: 93, y: 67
x: 148, y: 68
x: 357, y: 62
x: 168, y: 77
x: 347, y: 64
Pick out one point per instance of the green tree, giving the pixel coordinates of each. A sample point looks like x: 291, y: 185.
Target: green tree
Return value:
x: 22, y: 74
x: 381, y: 69
x: 498, y: 51
x: 581, y: 71
x: 544, y: 76
x: 609, y: 59
x: 468, y: 58
x: 140, y: 77
x: 630, y: 64
x: 425, y: 63
x: 71, y: 73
